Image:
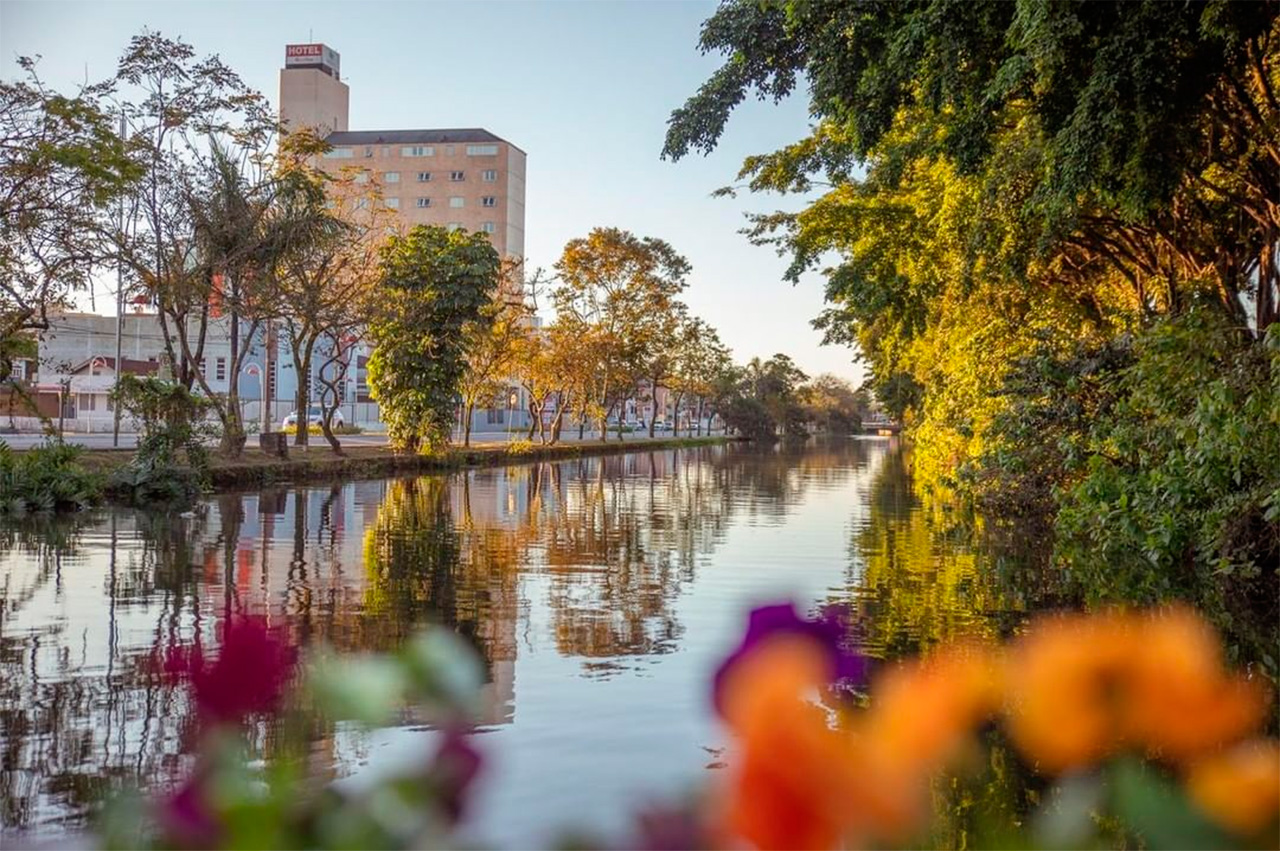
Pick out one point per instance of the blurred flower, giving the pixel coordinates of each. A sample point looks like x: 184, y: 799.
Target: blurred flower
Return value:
x: 1240, y: 788
x: 250, y: 675
x: 828, y: 632
x: 1084, y: 686
x: 452, y: 772
x: 186, y: 818
x: 1183, y: 701
x: 790, y: 782
x: 922, y: 715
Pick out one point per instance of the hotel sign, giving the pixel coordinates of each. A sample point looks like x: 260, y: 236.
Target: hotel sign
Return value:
x: 311, y: 56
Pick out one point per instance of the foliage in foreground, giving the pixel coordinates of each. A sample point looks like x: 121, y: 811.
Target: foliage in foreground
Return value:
x: 1117, y: 730
x: 46, y: 478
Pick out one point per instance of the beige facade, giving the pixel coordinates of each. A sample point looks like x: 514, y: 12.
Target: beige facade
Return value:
x: 467, y: 178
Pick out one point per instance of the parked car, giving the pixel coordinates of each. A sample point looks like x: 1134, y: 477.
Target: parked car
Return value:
x: 314, y: 417
x: 661, y: 425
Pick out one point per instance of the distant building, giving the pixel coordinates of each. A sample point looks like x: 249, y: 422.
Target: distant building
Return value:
x: 469, y: 179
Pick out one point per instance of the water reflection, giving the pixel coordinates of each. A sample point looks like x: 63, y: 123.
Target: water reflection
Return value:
x: 599, y: 592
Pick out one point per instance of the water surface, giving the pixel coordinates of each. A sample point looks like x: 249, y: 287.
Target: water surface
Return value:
x: 601, y: 593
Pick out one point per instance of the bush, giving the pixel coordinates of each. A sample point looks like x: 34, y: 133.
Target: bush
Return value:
x: 46, y: 478
x: 519, y: 447
x: 171, y: 462
x: 1178, y: 491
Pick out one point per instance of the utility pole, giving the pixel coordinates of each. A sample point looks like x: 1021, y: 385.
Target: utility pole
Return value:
x: 115, y: 425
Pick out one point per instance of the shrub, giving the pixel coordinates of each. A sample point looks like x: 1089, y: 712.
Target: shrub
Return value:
x: 1178, y: 491
x: 171, y: 462
x: 46, y: 478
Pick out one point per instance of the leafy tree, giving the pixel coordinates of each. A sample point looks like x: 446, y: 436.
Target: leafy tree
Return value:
x: 493, y: 345
x: 171, y: 462
x: 321, y: 280
x: 433, y: 283
x: 833, y: 403
x: 63, y: 169
x: 698, y: 360
x: 624, y: 288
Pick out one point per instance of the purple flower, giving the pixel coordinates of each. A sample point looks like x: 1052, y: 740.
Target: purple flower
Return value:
x: 250, y: 675
x: 186, y: 818
x: 829, y: 629
x: 452, y: 772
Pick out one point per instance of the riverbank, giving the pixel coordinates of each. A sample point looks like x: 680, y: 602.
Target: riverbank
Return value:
x: 318, y: 463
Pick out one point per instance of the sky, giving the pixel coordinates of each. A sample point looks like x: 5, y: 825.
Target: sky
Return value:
x: 585, y: 88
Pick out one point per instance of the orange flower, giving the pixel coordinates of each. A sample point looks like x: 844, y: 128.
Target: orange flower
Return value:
x: 922, y: 714
x: 1182, y: 702
x: 791, y: 784
x: 1084, y: 686
x: 1063, y: 679
x: 1240, y: 789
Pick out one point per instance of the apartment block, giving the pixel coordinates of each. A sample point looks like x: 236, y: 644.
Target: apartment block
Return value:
x: 456, y: 178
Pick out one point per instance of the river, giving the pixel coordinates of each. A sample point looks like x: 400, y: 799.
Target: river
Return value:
x: 601, y: 593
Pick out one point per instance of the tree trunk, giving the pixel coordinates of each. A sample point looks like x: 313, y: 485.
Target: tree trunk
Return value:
x: 468, y: 409
x: 302, y: 396
x: 699, y: 416
x: 653, y: 406
x: 232, y: 429
x: 534, y: 419
x: 675, y: 416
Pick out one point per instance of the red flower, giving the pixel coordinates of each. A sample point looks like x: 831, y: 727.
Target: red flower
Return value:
x: 250, y: 674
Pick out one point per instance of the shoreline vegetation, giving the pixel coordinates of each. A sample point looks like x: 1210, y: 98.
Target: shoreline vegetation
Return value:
x: 255, y: 468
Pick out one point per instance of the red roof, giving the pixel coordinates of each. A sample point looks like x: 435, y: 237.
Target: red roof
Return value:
x: 131, y: 366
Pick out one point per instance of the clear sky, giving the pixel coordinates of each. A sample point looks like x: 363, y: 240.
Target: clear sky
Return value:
x: 584, y: 87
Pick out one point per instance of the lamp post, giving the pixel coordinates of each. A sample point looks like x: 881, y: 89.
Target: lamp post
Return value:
x: 251, y: 370
x: 512, y: 398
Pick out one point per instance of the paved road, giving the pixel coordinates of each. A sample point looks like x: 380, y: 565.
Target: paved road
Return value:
x: 129, y: 441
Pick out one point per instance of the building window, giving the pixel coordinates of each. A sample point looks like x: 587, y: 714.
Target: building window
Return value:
x: 393, y: 203
x: 496, y: 415
x: 482, y: 150
x: 362, y: 177
x: 487, y: 227
x: 456, y: 201
x: 386, y: 152
x: 454, y: 226
x: 456, y: 176
x: 220, y: 369
x: 448, y: 149
x: 424, y: 177
x: 489, y: 175
x: 339, y: 154
x: 418, y: 151
x: 368, y: 151
x: 488, y: 201
x: 391, y: 177
x: 203, y: 369
x: 424, y: 202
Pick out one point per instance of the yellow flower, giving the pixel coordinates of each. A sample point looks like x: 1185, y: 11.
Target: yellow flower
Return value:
x: 1240, y: 789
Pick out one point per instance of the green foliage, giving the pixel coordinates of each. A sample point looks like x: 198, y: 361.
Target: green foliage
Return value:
x: 171, y: 462
x: 46, y: 478
x: 433, y: 283
x: 1179, y: 495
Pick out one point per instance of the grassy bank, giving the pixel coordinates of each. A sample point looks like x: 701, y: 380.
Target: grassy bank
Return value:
x: 317, y: 463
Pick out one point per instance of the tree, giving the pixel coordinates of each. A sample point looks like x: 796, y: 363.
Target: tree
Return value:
x: 699, y: 359
x: 200, y: 230
x: 493, y: 344
x: 833, y: 403
x: 624, y: 288
x: 62, y: 170
x: 322, y: 279
x: 433, y: 283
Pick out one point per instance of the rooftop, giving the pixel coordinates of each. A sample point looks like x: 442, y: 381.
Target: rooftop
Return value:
x: 405, y: 137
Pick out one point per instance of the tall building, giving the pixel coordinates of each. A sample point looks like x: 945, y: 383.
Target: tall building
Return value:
x: 469, y: 178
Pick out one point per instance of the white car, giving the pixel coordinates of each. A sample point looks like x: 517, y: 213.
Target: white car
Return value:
x: 314, y: 417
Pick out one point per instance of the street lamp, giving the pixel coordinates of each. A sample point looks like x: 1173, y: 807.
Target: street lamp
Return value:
x: 251, y: 370
x: 512, y: 398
